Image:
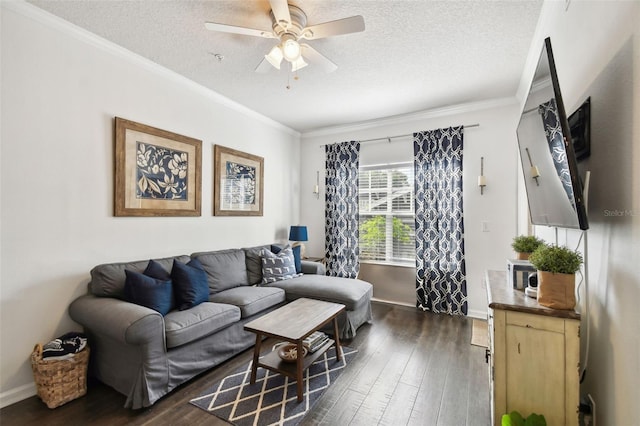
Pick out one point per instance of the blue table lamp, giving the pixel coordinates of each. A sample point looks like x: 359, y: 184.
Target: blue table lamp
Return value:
x: 298, y: 233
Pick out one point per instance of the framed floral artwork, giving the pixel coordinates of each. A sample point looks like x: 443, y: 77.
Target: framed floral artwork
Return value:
x: 238, y: 183
x: 157, y: 173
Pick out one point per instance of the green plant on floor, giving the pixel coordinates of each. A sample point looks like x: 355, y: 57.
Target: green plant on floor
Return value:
x: 526, y: 243
x: 514, y: 418
x: 556, y: 259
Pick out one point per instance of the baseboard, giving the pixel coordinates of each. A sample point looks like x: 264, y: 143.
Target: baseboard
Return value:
x: 17, y: 394
x: 391, y: 302
x: 471, y: 313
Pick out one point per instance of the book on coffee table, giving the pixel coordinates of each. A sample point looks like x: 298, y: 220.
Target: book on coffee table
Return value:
x: 315, y: 341
x: 318, y: 344
x: 313, y: 338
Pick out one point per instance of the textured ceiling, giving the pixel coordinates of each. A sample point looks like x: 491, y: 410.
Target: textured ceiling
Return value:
x: 412, y: 56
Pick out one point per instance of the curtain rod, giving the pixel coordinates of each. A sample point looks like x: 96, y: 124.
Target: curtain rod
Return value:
x: 388, y: 138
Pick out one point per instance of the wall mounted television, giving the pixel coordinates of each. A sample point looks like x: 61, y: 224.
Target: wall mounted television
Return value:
x: 552, y: 182
x: 580, y: 123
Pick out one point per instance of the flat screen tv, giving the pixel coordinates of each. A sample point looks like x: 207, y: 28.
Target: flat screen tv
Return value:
x: 554, y: 188
x: 580, y: 123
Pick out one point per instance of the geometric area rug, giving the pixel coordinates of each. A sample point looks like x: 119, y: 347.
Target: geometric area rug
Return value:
x: 272, y: 400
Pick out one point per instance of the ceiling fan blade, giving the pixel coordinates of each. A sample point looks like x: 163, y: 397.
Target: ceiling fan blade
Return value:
x: 233, y: 29
x: 354, y: 24
x: 280, y: 9
x: 264, y: 66
x: 317, y: 58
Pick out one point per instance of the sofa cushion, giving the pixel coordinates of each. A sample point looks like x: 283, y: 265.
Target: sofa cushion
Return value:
x: 253, y: 260
x: 147, y: 291
x: 250, y: 300
x: 186, y: 326
x: 276, y: 267
x: 190, y: 286
x: 348, y: 291
x: 107, y: 280
x: 225, y: 269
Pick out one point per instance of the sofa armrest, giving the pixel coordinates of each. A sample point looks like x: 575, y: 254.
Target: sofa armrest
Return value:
x: 123, y: 321
x: 309, y: 267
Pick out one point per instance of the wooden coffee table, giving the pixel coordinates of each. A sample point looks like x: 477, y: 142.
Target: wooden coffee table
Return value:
x: 294, y: 322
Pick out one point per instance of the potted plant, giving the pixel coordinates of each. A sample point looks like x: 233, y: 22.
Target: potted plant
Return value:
x: 556, y: 267
x: 514, y: 418
x: 524, y: 245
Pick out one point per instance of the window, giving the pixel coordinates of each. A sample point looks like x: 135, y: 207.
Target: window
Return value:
x: 386, y: 220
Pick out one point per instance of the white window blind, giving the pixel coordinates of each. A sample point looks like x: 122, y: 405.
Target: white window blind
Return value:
x: 387, y: 225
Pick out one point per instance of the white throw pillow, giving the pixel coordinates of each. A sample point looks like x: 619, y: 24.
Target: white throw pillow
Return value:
x: 278, y: 267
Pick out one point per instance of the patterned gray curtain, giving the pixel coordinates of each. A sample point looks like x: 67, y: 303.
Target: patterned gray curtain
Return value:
x: 341, y: 213
x: 553, y: 131
x: 441, y: 284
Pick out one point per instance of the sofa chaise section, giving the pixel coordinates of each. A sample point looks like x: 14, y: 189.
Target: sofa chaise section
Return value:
x: 353, y: 293
x: 315, y: 284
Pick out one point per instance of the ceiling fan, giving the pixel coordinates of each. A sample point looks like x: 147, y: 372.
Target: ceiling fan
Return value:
x: 290, y: 26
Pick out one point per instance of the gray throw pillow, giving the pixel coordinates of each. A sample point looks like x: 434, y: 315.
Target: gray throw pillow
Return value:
x: 278, y: 267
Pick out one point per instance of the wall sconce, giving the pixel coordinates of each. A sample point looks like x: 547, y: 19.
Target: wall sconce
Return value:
x: 535, y: 173
x: 316, y: 188
x: 482, y: 181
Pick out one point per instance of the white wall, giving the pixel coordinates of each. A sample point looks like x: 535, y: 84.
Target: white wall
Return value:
x: 61, y: 89
x: 596, y: 46
x: 494, y: 139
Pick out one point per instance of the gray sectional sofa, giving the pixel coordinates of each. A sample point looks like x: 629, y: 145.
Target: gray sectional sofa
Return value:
x: 145, y: 355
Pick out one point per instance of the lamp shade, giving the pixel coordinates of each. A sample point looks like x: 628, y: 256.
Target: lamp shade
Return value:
x: 298, y: 64
x: 275, y: 56
x: 298, y: 233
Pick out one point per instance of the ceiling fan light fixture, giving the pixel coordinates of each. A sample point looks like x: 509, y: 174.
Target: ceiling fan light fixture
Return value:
x: 291, y: 50
x: 275, y: 56
x: 298, y: 64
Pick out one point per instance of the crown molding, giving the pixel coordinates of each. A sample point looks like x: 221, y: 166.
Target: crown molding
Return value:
x: 413, y: 116
x: 41, y: 16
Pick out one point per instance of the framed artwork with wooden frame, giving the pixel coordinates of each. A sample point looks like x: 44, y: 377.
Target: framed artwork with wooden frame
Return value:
x: 238, y: 183
x: 157, y: 173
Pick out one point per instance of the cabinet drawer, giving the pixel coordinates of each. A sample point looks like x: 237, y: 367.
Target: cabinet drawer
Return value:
x: 539, y: 322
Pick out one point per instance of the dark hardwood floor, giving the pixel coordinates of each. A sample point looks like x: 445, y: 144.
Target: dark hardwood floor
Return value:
x: 412, y: 368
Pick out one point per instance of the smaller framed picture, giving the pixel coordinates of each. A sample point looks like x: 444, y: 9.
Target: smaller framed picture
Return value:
x: 238, y: 183
x: 157, y: 173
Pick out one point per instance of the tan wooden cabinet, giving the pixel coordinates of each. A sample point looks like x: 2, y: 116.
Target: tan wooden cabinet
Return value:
x: 534, y: 354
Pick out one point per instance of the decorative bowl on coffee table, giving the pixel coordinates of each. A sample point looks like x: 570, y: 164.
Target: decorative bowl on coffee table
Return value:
x: 289, y: 353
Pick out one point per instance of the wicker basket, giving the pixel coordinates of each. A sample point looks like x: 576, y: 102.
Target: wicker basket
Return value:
x: 60, y: 381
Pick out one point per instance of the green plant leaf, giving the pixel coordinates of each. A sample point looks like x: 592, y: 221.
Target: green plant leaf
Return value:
x: 556, y: 259
x: 514, y: 418
x: 526, y: 243
x: 535, y: 420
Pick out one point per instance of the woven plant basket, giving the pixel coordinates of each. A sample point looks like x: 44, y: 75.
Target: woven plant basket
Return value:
x: 60, y: 381
x: 556, y: 291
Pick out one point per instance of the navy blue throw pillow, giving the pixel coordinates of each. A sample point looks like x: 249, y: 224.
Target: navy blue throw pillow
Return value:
x: 155, y: 270
x: 296, y: 258
x: 275, y: 249
x: 190, y: 284
x: 148, y: 291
